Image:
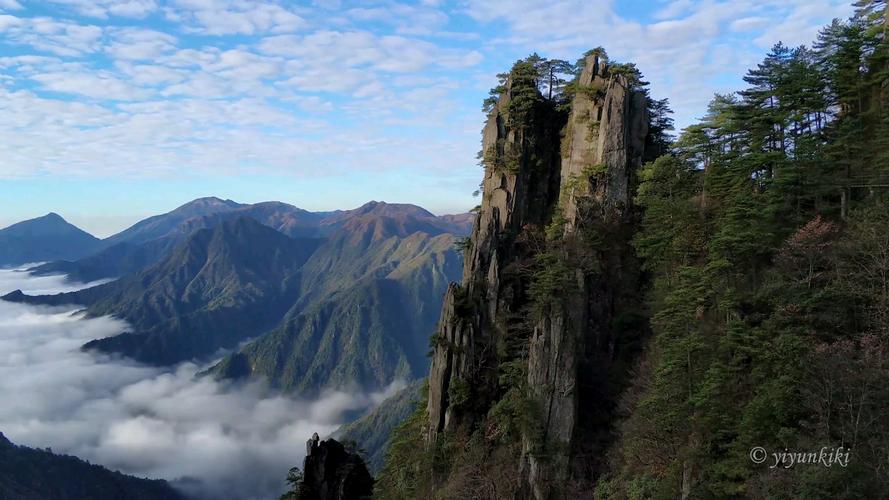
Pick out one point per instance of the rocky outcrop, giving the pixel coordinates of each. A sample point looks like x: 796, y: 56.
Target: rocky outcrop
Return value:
x: 603, y: 148
x: 604, y: 143
x: 574, y: 186
x: 331, y: 472
x: 520, y: 186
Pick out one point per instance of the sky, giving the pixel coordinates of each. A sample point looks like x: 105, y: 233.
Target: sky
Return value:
x: 114, y: 110
x: 213, y: 439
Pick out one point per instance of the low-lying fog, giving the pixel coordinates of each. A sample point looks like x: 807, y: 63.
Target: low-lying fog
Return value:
x: 212, y: 439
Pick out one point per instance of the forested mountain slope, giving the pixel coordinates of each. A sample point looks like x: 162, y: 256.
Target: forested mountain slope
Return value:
x: 27, y: 473
x: 632, y: 325
x: 352, y: 310
x: 364, y: 318
x: 148, y: 241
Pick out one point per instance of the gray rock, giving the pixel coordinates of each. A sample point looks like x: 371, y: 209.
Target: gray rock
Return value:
x: 590, y: 184
x: 331, y: 472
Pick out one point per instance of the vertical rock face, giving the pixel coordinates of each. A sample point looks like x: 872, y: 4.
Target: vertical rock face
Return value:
x: 529, y: 184
x: 604, y: 142
x: 602, y: 149
x: 330, y: 472
x: 520, y: 186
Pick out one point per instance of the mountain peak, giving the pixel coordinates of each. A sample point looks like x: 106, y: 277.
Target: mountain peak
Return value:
x: 391, y: 209
x: 227, y: 281
x: 49, y: 237
x: 161, y: 225
x: 207, y: 202
x: 50, y: 221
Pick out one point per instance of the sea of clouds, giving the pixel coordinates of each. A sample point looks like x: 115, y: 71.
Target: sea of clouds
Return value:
x: 211, y: 439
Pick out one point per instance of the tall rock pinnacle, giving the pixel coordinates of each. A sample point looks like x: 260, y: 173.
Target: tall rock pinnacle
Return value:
x: 603, y: 146
x: 520, y: 146
x: 530, y: 298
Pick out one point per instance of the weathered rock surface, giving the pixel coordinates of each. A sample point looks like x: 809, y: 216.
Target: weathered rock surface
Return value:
x: 604, y: 143
x: 520, y: 186
x: 531, y: 178
x: 604, y: 147
x: 330, y: 472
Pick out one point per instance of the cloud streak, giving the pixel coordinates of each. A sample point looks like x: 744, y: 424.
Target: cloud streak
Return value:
x: 212, y: 439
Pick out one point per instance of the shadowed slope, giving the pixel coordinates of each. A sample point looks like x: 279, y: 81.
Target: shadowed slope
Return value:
x: 27, y: 473
x: 45, y: 238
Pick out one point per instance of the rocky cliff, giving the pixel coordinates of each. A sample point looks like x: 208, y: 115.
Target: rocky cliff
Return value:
x: 520, y: 147
x: 534, y: 325
x: 331, y: 472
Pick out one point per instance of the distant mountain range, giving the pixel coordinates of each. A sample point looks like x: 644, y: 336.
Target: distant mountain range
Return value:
x: 28, y: 473
x: 44, y: 239
x: 344, y: 299
x: 147, y: 241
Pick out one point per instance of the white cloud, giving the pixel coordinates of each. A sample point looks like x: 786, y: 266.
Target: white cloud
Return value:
x: 749, y: 24
x: 303, y: 85
x: 675, y: 8
x: 46, y: 34
x: 224, y: 17
x: 406, y: 19
x: 104, y: 8
x: 547, y: 20
x: 126, y: 101
x: 139, y: 44
x: 151, y: 74
x: 10, y: 5
x: 224, y: 440
x: 9, y: 22
x: 94, y: 85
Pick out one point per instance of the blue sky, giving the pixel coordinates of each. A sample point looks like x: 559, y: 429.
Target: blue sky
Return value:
x: 112, y: 110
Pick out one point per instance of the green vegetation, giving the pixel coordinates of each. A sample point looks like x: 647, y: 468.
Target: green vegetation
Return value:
x: 365, y: 320
x: 759, y: 243
x: 479, y: 456
x: 406, y: 470
x: 765, y: 236
x: 503, y: 156
x: 31, y: 473
x: 373, y: 431
x: 244, y: 289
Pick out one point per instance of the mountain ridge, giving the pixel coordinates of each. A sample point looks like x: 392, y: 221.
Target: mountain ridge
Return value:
x: 121, y: 254
x: 32, y: 473
x: 355, y: 313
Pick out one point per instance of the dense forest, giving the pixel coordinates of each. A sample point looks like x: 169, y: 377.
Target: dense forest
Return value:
x: 29, y: 473
x: 758, y: 245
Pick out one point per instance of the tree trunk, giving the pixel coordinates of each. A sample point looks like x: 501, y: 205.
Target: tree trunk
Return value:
x: 551, y: 71
x: 844, y: 204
